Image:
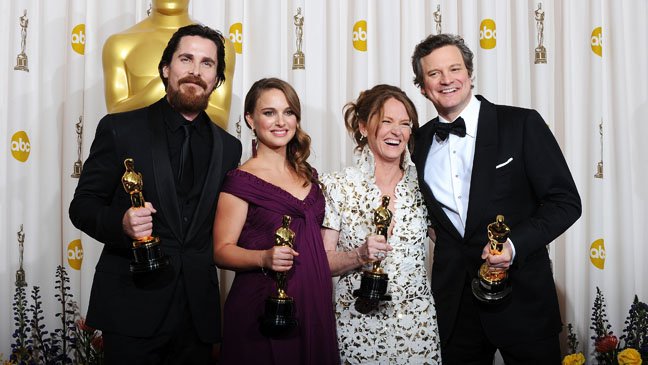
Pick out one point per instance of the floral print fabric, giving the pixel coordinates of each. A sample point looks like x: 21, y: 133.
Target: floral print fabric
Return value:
x: 403, y: 330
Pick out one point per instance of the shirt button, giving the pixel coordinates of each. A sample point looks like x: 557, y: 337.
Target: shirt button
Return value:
x: 185, y: 219
x: 454, y: 151
x: 457, y: 176
x: 459, y: 197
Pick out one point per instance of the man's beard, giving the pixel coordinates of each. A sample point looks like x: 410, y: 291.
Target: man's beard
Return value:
x: 187, y: 101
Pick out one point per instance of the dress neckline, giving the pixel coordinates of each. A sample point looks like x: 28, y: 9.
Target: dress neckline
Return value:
x: 274, y: 187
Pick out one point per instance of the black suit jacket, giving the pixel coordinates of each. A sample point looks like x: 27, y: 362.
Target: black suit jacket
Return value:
x: 538, y: 198
x: 136, y: 305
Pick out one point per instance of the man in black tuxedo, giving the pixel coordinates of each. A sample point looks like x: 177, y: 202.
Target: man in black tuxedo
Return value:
x: 474, y: 161
x: 170, y: 315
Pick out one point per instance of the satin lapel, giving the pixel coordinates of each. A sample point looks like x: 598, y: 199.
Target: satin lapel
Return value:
x: 481, y: 181
x: 164, y: 180
x: 422, y: 148
x: 211, y: 188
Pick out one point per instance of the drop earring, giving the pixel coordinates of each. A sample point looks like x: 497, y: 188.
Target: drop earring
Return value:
x: 254, y: 144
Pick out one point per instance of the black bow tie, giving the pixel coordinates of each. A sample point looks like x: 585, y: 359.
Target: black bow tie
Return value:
x: 458, y: 128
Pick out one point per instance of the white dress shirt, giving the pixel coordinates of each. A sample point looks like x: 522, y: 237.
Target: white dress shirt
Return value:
x: 448, y: 167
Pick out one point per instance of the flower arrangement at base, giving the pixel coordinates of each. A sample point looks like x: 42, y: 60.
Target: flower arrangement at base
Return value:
x: 72, y: 343
x: 632, y: 347
x: 574, y: 357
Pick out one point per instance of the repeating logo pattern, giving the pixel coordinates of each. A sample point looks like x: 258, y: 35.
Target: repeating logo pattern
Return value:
x: 359, y: 35
x: 236, y: 36
x: 20, y: 146
x: 487, y: 34
x: 596, y: 41
x: 78, y: 39
x: 75, y: 254
x: 597, y: 254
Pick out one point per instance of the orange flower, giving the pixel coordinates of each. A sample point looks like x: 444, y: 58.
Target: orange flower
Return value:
x: 629, y: 356
x: 606, y: 343
x: 574, y: 359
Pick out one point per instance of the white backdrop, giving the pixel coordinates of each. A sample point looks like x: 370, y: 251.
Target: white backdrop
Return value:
x: 596, y: 75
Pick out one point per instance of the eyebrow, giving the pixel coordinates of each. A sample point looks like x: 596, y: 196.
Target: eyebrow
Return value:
x: 191, y: 56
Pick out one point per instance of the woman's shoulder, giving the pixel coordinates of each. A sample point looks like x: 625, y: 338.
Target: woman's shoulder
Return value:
x: 348, y: 174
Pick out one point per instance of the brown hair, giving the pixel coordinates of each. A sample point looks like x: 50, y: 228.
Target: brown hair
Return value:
x: 298, y: 149
x: 371, y: 102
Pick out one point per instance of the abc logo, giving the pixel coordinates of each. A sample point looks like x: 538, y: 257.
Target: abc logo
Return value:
x: 75, y: 254
x: 236, y: 36
x: 597, y: 253
x: 78, y: 39
x: 20, y: 146
x: 360, y: 35
x: 597, y: 41
x: 487, y: 34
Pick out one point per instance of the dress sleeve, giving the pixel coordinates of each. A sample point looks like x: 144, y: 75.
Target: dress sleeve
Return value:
x: 334, y: 197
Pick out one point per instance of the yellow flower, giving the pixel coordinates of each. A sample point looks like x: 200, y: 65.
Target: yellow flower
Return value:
x: 574, y: 359
x: 629, y: 356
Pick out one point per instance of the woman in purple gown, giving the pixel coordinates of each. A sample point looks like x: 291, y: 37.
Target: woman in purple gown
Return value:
x: 277, y: 181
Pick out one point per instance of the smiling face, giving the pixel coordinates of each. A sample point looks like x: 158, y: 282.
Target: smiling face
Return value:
x: 191, y: 75
x: 272, y: 119
x: 388, y: 134
x: 446, y: 81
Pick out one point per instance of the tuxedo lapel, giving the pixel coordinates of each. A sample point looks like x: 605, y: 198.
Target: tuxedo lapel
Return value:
x: 422, y: 148
x: 164, y: 180
x: 211, y: 186
x: 481, y: 180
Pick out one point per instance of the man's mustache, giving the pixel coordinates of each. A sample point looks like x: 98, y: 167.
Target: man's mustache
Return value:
x: 194, y: 80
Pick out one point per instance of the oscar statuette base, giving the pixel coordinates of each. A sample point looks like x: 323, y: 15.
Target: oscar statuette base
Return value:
x: 373, y: 287
x: 488, y: 290
x: 78, y: 167
x: 299, y: 61
x: 540, y: 55
x: 21, y: 63
x: 148, y: 256
x: 278, y: 318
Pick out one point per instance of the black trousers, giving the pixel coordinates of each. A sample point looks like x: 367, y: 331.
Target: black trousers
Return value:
x: 176, y: 342
x: 468, y: 344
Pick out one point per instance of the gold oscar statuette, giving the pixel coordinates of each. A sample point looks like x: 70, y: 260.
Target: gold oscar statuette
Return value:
x: 437, y: 19
x: 147, y: 253
x: 299, y: 59
x: 599, y: 165
x: 21, y: 59
x: 373, y: 283
x: 78, y: 164
x: 278, y: 318
x: 491, y: 284
x: 20, y: 273
x: 540, y: 50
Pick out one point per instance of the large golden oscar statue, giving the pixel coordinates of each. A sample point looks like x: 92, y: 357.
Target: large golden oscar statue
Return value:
x: 131, y: 57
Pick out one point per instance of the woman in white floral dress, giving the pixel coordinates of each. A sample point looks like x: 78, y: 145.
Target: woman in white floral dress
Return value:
x: 403, y: 330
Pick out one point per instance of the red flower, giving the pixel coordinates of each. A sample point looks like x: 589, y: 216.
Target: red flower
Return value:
x: 97, y: 343
x: 81, y: 324
x: 606, y: 343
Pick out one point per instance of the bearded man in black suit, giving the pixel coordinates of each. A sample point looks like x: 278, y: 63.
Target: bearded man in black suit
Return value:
x: 170, y: 315
x: 477, y: 160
